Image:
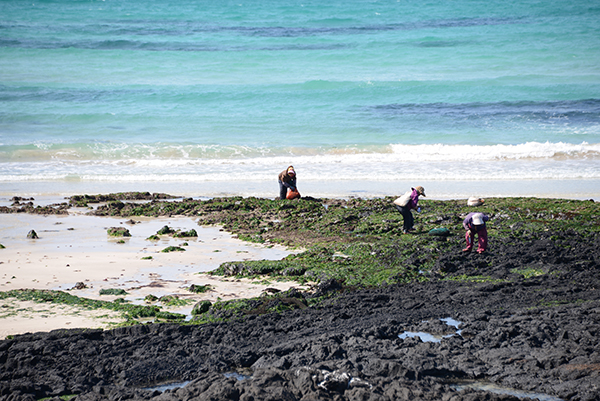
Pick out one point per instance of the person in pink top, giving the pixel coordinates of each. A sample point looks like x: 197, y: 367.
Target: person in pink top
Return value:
x: 474, y: 223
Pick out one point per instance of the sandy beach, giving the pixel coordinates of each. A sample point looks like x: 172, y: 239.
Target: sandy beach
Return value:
x: 77, y: 249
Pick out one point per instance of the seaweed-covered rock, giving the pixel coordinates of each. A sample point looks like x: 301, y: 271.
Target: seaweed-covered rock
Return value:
x: 327, y: 286
x: 165, y: 231
x: 186, y: 234
x: 201, y: 307
x: 112, y: 291
x: 150, y: 298
x: 173, y: 249
x: 32, y: 234
x: 169, y: 300
x: 118, y: 232
x: 200, y: 289
x: 79, y: 286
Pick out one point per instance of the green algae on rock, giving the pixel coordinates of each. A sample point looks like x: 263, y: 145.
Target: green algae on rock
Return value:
x: 173, y: 249
x: 118, y: 232
x: 360, y: 241
x: 130, y: 312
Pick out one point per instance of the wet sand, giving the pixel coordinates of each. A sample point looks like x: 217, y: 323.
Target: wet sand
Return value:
x: 77, y: 249
x: 339, y: 188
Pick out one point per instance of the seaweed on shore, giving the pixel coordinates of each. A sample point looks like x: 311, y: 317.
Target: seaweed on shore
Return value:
x: 277, y: 302
x: 84, y: 200
x: 29, y: 207
x: 130, y: 312
x: 360, y: 241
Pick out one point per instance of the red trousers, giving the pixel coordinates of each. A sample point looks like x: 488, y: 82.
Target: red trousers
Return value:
x: 482, y: 239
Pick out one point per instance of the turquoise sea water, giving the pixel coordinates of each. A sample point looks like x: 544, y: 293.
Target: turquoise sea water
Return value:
x: 362, y: 97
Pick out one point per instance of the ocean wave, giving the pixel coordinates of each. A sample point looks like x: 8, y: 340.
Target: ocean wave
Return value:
x: 398, y: 162
x: 529, y: 150
x: 192, y: 154
x: 371, y: 172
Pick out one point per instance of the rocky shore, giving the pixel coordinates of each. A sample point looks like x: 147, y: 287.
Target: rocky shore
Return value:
x: 527, y: 311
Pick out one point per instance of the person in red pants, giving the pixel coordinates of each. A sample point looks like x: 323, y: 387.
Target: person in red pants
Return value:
x: 474, y: 223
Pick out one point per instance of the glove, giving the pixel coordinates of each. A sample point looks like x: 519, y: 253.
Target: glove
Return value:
x: 419, y: 209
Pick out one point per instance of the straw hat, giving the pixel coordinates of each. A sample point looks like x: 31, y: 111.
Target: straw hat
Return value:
x: 421, y: 190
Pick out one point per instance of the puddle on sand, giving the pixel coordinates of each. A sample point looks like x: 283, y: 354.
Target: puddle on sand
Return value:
x: 171, y: 386
x: 236, y: 375
x: 165, y: 387
x: 426, y: 337
x: 492, y: 388
x: 451, y: 322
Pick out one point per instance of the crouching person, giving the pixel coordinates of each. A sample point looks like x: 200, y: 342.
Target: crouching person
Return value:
x: 474, y: 223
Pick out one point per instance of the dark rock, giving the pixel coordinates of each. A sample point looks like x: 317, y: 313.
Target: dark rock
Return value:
x: 538, y: 334
x: 328, y: 285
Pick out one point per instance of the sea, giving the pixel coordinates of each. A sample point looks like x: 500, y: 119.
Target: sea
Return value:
x: 365, y: 98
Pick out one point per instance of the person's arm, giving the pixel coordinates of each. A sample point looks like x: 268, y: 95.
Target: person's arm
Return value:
x: 467, y: 222
x: 291, y: 184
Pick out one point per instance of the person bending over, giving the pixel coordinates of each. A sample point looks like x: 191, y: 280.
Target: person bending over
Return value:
x: 404, y: 204
x: 474, y: 223
x: 287, y: 180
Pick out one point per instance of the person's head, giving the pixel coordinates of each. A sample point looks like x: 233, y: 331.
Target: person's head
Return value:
x: 420, y: 190
x: 478, y: 219
x: 291, y: 171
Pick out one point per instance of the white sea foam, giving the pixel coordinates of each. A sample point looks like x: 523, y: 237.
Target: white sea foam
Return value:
x: 309, y: 169
x: 154, y: 155
x: 415, y: 162
x: 529, y: 150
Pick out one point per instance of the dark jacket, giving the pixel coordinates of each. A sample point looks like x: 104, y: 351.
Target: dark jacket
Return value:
x: 286, y: 179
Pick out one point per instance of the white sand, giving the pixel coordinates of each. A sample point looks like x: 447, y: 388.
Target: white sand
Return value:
x: 20, y: 317
x: 77, y: 249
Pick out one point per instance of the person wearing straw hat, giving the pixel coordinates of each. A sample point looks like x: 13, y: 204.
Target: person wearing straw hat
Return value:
x: 404, y: 204
x: 287, y: 181
x: 474, y: 223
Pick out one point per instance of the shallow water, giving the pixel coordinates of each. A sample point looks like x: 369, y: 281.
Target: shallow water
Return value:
x: 492, y: 388
x: 172, y: 386
x: 164, y: 387
x: 427, y: 337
